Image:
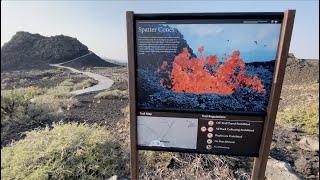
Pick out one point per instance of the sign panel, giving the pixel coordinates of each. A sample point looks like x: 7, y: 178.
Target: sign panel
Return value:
x: 188, y: 132
x: 203, y: 84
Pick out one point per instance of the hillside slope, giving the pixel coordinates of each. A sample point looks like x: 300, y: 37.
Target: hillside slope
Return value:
x: 34, y: 51
x: 301, y: 71
x: 89, y: 60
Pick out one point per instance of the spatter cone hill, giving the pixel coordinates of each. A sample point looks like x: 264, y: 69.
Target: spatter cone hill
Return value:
x: 34, y: 51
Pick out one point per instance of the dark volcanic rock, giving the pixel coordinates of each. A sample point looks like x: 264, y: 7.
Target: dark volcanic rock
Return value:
x: 34, y: 51
x: 89, y: 60
x: 301, y: 71
x: 285, y: 147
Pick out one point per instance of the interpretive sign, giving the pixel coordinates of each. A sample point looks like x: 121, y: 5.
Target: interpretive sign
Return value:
x: 204, y: 83
x: 192, y: 72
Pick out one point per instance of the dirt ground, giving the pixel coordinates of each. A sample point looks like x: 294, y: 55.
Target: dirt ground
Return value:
x: 284, y: 148
x: 103, y: 112
x: 40, y: 78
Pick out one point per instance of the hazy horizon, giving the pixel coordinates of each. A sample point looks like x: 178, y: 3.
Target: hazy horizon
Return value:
x: 101, y: 25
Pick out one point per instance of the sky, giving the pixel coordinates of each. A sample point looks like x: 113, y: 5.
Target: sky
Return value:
x: 101, y: 25
x: 256, y: 42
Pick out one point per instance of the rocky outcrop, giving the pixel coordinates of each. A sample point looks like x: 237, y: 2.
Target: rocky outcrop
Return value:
x: 291, y: 146
x: 301, y: 71
x: 309, y: 143
x: 34, y: 51
x: 279, y: 170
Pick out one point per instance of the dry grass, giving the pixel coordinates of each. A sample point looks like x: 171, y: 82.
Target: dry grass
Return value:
x: 26, y: 108
x: 112, y: 94
x: 299, y: 107
x: 167, y: 165
x: 85, y: 84
x: 305, y: 116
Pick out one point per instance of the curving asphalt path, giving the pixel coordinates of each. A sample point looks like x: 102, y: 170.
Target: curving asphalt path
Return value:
x: 103, y: 82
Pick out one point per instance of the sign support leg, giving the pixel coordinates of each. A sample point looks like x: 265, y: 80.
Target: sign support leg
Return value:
x: 133, y: 118
x: 260, y: 163
x: 134, y: 163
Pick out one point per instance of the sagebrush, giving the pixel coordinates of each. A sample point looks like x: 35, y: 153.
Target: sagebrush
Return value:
x: 67, y: 151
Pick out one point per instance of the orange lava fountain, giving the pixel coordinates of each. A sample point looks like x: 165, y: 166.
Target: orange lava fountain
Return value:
x: 191, y: 75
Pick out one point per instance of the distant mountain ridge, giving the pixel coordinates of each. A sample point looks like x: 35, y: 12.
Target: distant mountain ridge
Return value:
x: 34, y: 51
x: 115, y: 62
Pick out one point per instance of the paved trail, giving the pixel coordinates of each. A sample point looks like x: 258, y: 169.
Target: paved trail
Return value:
x: 103, y: 82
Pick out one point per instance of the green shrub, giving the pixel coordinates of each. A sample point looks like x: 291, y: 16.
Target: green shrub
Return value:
x: 305, y: 116
x: 27, y: 108
x: 23, y: 81
x: 15, y: 104
x: 19, y: 113
x: 112, y: 94
x: 119, y: 79
x: 67, y: 82
x: 59, y: 91
x: 56, y: 103
x: 67, y: 151
x: 85, y: 84
x: 69, y: 85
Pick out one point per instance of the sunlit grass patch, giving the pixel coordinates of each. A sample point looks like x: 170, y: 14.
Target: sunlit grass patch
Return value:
x: 112, y: 94
x: 305, y: 116
x: 84, y: 84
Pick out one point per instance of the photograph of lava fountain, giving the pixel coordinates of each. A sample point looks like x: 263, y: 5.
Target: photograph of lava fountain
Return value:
x: 197, y: 84
x: 204, y: 75
x: 215, y: 68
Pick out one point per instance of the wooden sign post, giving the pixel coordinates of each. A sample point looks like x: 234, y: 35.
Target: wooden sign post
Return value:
x: 260, y: 163
x: 168, y: 116
x: 132, y: 97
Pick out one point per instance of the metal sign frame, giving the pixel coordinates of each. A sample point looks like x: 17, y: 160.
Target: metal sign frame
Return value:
x: 287, y: 17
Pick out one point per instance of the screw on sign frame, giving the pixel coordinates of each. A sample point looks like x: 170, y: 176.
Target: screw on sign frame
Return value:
x: 260, y: 162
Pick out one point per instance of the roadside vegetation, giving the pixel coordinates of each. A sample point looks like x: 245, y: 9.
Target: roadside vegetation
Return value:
x: 65, y: 151
x: 300, y: 108
x: 304, y: 116
x: 23, y: 109
x: 112, y: 94
x: 19, y: 112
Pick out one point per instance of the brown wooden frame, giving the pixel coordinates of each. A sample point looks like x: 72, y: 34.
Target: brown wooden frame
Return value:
x: 260, y: 163
x: 279, y: 70
x: 132, y: 96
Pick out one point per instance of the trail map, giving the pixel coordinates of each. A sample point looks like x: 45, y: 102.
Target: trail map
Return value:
x: 167, y: 132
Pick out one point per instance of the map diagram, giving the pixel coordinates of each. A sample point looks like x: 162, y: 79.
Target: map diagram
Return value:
x: 167, y: 132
